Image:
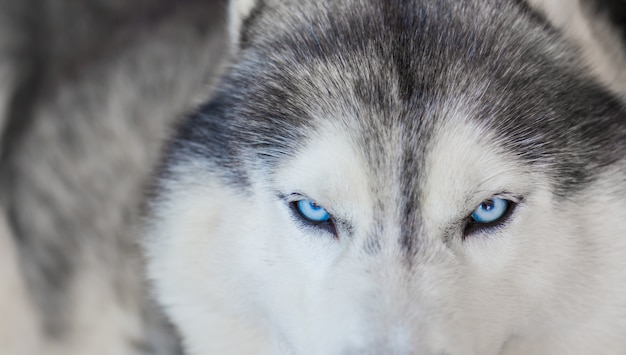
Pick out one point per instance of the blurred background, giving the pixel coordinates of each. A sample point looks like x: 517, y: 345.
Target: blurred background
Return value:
x: 89, y: 92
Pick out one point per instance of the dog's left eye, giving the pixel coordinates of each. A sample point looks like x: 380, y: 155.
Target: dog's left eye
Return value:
x: 490, y: 213
x: 311, y: 211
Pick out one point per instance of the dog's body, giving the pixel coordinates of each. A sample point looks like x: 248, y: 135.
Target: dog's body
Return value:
x: 89, y: 91
x: 398, y: 117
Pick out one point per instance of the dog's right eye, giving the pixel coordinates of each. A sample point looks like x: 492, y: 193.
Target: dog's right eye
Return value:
x: 490, y: 213
x: 313, y: 215
x: 311, y: 211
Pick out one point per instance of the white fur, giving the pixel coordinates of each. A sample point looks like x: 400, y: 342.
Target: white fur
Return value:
x: 238, y: 274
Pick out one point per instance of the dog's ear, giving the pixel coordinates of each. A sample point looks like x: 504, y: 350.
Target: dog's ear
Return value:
x: 591, y: 30
x: 238, y: 12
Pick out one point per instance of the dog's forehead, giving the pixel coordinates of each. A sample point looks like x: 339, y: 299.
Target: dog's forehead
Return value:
x: 389, y: 76
x: 383, y: 66
x: 392, y: 164
x: 397, y: 189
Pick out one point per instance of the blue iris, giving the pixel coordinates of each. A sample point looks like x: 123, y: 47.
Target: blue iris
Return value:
x: 491, y: 210
x: 312, y: 212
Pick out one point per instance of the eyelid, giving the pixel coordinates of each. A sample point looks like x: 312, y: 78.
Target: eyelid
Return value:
x: 514, y: 198
x: 293, y: 196
x: 297, y: 196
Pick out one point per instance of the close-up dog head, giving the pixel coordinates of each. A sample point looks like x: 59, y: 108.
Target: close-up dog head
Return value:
x: 395, y: 177
x: 313, y: 177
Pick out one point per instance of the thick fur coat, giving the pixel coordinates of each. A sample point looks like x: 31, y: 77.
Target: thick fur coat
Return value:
x: 198, y: 128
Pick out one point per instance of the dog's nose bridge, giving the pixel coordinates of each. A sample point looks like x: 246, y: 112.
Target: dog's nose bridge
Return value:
x: 397, y: 233
x: 386, y: 333
x: 397, y: 229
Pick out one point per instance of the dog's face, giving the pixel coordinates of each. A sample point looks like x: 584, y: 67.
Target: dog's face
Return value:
x: 376, y: 180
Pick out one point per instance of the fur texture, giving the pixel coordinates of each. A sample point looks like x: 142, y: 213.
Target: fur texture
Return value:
x: 398, y: 118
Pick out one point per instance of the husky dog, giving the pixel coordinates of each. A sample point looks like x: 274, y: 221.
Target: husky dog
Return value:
x: 326, y: 199
x: 398, y: 177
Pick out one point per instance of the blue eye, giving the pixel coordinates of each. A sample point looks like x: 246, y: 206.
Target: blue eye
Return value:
x: 311, y: 211
x: 490, y: 211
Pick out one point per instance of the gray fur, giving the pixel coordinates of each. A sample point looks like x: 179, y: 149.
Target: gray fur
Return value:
x: 388, y: 66
x: 97, y: 86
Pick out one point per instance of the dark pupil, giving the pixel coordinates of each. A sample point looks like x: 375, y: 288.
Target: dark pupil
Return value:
x: 488, y: 205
